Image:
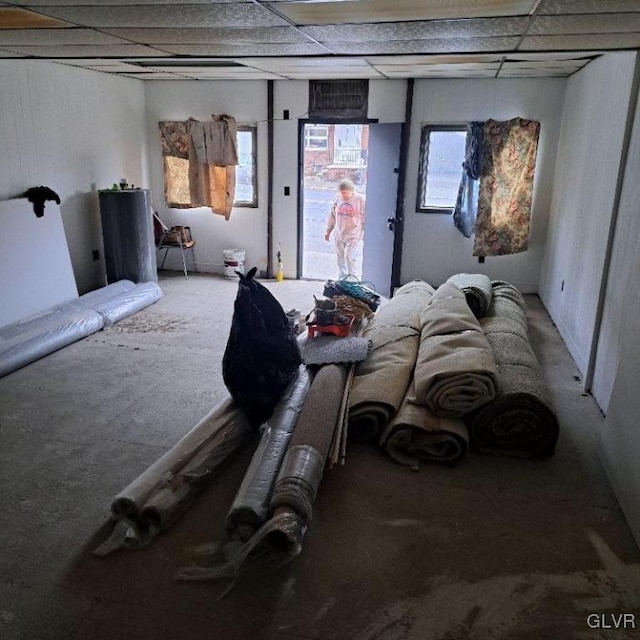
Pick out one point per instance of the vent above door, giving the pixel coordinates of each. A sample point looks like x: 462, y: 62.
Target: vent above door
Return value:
x: 340, y: 99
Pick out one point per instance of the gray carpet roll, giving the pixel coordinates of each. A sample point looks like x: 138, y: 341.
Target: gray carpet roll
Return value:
x: 477, y: 290
x: 520, y: 421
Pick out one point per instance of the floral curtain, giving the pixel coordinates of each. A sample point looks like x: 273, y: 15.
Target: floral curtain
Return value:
x: 199, y: 163
x: 506, y: 186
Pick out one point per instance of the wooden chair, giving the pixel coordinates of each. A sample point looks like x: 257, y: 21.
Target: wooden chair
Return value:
x: 176, y: 237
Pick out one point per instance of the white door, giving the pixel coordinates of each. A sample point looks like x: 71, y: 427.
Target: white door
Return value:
x: 382, y: 194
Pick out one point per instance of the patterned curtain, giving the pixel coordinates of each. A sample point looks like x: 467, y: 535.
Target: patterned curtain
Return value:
x: 199, y: 163
x: 506, y: 186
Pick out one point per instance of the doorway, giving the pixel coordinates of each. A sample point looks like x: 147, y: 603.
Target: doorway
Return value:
x: 369, y: 155
x: 331, y: 153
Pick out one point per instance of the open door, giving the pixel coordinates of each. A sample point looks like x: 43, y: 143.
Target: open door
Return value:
x: 382, y: 196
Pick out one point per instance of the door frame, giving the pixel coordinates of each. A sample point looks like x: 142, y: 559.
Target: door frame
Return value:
x: 300, y: 217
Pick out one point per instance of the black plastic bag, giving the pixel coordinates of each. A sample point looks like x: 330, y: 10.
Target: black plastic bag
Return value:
x: 262, y: 354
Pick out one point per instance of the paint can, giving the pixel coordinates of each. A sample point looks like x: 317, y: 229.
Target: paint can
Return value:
x: 233, y: 261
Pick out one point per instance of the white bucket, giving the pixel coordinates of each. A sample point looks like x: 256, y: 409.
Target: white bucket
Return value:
x: 233, y: 261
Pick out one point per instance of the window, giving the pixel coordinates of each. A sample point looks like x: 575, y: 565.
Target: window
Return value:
x: 442, y: 152
x: 316, y: 137
x: 176, y: 166
x: 246, y: 179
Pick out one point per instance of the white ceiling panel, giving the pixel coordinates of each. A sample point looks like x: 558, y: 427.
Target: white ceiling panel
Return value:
x: 587, y: 6
x: 594, y: 23
x: 357, y: 11
x: 418, y: 30
x: 232, y: 50
x: 321, y: 39
x: 185, y: 15
x: 203, y: 35
x: 448, y: 45
x: 84, y: 51
x: 591, y: 41
x: 56, y: 36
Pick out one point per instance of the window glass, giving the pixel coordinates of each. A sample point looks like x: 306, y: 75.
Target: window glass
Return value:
x: 316, y: 137
x: 442, y: 152
x: 246, y: 170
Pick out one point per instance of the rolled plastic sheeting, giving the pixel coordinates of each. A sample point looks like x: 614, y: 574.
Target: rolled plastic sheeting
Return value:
x: 28, y: 340
x: 130, y: 501
x: 94, y: 299
x: 250, y: 508
x: 128, y: 302
x: 231, y: 433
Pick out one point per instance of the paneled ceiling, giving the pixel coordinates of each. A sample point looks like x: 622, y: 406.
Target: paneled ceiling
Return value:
x: 302, y: 39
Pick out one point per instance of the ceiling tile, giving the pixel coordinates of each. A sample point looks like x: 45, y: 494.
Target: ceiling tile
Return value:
x: 10, y: 54
x: 123, y: 3
x: 601, y: 23
x: 301, y: 48
x: 418, y: 30
x: 452, y: 45
x: 586, y: 6
x: 354, y: 11
x: 56, y: 36
x: 83, y: 51
x: 203, y: 35
x: 545, y: 64
x: 14, y: 18
x: 184, y: 15
x: 492, y: 66
x: 593, y: 41
x: 437, y: 59
x: 305, y: 63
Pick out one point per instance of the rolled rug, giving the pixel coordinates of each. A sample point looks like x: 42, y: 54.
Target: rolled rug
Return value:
x: 455, y: 370
x: 380, y: 382
x: 477, y: 290
x: 520, y: 421
x: 415, y: 434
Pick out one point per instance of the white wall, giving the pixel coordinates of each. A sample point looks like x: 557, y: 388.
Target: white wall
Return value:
x: 433, y: 248
x: 246, y: 229
x: 618, y: 363
x: 587, y: 168
x: 74, y: 131
x: 623, y: 276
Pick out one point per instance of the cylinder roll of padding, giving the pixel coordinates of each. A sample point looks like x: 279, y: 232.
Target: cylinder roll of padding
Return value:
x: 127, y: 233
x: 129, y: 302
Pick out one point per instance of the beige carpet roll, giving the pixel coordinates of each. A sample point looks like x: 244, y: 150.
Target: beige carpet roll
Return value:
x: 415, y: 434
x: 455, y: 368
x: 380, y: 382
x: 477, y: 290
x: 520, y: 421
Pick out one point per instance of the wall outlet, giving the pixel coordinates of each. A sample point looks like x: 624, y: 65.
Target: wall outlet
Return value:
x: 95, y: 254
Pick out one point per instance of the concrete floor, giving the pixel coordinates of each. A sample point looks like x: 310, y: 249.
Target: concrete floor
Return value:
x: 491, y: 549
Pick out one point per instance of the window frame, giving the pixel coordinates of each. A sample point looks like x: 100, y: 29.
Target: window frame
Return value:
x: 253, y: 129
x: 308, y: 138
x: 423, y: 169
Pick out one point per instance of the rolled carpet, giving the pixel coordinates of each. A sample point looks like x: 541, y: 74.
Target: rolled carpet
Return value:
x: 477, y: 290
x: 520, y: 421
x: 415, y: 434
x: 380, y: 382
x: 455, y: 370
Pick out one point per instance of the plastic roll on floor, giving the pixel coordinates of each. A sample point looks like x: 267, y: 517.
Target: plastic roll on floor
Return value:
x: 26, y: 341
x: 98, y: 297
x: 250, y: 508
x: 129, y: 302
x: 130, y: 501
